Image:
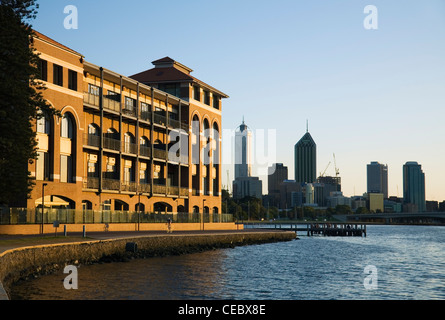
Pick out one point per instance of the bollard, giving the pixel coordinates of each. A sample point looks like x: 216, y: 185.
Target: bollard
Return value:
x: 64, y: 230
x: 84, y: 234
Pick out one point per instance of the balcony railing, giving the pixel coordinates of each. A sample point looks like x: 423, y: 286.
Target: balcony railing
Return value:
x: 113, y: 144
x: 129, y: 186
x: 144, y: 187
x: 91, y: 140
x: 129, y: 112
x: 91, y: 99
x: 145, y: 115
x: 110, y: 184
x: 91, y: 183
x: 160, y: 119
x: 159, y: 153
x: 111, y: 104
x: 130, y: 148
x: 145, y: 151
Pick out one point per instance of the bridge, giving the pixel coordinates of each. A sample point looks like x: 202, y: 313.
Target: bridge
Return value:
x: 437, y: 218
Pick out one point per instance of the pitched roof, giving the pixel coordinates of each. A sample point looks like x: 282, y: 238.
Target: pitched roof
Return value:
x: 53, y: 42
x: 168, y: 70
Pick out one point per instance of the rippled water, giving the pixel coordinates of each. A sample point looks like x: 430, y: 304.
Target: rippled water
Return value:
x: 409, y: 260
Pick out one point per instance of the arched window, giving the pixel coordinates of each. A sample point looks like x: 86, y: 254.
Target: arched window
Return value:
x: 144, y: 144
x: 43, y: 123
x: 43, y: 161
x: 67, y: 127
x: 129, y: 143
x: 67, y: 149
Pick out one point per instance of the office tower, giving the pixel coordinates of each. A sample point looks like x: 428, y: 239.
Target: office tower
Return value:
x: 377, y: 178
x: 243, y: 151
x: 413, y: 186
x: 244, y: 184
x: 113, y: 148
x: 277, y: 174
x: 305, y: 158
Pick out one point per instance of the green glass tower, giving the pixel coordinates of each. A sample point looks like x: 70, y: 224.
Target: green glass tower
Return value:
x: 305, y: 159
x: 414, y: 185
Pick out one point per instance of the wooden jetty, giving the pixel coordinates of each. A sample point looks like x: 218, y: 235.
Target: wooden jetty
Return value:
x: 327, y: 229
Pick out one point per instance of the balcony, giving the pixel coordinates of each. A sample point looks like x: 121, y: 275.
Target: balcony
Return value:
x: 110, y: 184
x: 159, y: 153
x: 112, y: 144
x: 90, y: 183
x: 130, y: 148
x: 131, y: 112
x: 144, y: 187
x: 160, y: 119
x: 145, y: 115
x: 91, y: 99
x: 129, y: 186
x: 111, y: 104
x: 145, y: 151
x: 91, y: 140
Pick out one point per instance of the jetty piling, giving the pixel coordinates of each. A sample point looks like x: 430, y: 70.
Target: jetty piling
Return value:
x: 327, y: 229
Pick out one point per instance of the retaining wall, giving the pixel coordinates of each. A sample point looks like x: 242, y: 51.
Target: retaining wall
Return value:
x: 21, y: 263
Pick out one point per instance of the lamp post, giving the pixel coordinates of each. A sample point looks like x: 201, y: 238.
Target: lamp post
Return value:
x: 139, y: 210
x: 43, y: 204
x: 203, y: 202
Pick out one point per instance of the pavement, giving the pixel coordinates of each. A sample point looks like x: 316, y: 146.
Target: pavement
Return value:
x: 8, y: 242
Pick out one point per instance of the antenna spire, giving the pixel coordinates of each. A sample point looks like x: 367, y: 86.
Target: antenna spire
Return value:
x: 307, y: 125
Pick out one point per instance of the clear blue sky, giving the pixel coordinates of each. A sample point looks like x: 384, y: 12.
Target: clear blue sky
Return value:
x: 369, y: 95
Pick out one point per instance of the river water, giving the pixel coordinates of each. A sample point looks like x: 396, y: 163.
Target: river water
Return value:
x: 392, y: 262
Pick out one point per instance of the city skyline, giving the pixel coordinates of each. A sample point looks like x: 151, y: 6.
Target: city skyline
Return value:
x: 370, y: 95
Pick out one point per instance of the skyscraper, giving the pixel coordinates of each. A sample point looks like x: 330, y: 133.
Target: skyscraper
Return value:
x: 306, y: 159
x: 244, y: 184
x: 277, y: 174
x: 243, y: 146
x: 377, y: 178
x: 414, y: 185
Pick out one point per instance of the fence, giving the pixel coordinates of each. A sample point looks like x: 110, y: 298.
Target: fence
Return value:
x: 71, y: 216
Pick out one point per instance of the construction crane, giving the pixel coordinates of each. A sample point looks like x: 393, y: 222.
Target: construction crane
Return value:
x: 337, y: 172
x: 322, y: 174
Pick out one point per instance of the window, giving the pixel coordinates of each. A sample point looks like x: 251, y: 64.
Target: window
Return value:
x: 43, y: 69
x: 66, y: 169
x: 207, y: 97
x: 43, y: 124
x: 42, y: 166
x: 67, y: 127
x: 94, y: 90
x: 171, y: 88
x: 145, y: 111
x: 130, y: 103
x: 57, y: 75
x: 196, y: 93
x: 72, y: 80
x: 215, y: 102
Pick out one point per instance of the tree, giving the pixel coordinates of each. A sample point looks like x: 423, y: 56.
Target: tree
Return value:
x: 21, y: 99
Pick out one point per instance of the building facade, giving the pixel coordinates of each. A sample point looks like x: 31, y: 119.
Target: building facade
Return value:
x: 377, y: 178
x: 305, y: 157
x: 148, y: 142
x: 413, y: 187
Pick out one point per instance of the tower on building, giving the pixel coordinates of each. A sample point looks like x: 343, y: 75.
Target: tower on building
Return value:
x: 305, y: 157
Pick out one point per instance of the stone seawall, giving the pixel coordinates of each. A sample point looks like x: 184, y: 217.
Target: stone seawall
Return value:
x: 22, y: 263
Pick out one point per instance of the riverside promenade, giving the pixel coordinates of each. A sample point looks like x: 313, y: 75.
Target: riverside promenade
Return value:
x: 25, y: 255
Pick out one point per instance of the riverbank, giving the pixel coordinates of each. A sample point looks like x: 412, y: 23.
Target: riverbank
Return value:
x: 31, y: 261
